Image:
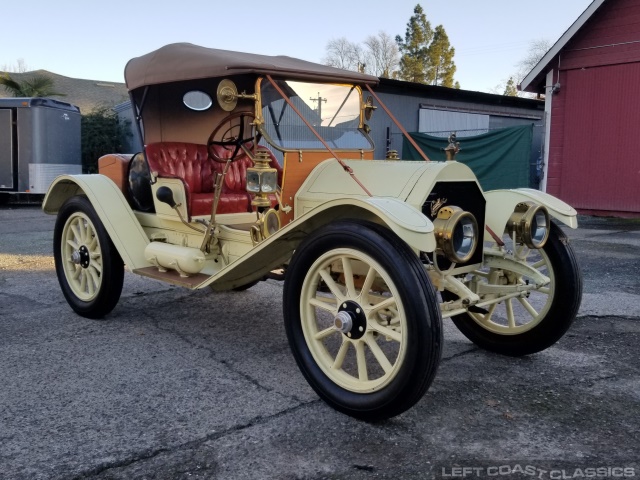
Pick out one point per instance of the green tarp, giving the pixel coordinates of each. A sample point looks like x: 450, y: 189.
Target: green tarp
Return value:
x: 500, y: 158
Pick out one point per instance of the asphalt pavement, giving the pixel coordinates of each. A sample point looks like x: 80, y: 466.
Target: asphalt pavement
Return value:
x: 179, y: 384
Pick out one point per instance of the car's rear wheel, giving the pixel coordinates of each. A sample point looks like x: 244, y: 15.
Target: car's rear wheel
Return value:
x: 525, y: 325
x: 362, y: 319
x: 89, y: 268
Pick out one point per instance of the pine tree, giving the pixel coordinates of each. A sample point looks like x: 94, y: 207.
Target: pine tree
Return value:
x: 427, y: 55
x: 441, y: 68
x: 510, y: 89
x: 415, y: 47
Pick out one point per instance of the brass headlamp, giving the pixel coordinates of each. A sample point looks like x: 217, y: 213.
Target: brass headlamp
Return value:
x: 456, y: 233
x: 531, y: 223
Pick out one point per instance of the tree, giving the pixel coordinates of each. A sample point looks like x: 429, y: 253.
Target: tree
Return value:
x: 537, y: 50
x: 19, y: 67
x: 102, y: 133
x: 510, y: 89
x: 36, y: 85
x: 427, y: 54
x: 378, y: 55
x: 415, y: 47
x: 342, y: 53
x: 423, y: 56
x: 383, y: 54
x: 441, y: 68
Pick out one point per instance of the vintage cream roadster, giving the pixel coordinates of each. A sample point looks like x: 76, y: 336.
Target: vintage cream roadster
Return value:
x: 260, y: 166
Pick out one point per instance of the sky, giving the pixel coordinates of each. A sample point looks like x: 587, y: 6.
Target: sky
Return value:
x: 94, y: 40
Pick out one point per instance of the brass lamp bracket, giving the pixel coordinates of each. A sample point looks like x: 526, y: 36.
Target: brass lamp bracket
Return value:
x: 227, y: 95
x: 369, y: 107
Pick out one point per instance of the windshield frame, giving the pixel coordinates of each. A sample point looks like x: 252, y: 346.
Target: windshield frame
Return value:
x: 361, y: 129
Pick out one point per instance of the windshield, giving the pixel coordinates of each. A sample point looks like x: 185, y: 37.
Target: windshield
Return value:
x: 333, y: 110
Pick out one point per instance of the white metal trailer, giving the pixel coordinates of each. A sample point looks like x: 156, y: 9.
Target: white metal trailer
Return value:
x: 39, y: 140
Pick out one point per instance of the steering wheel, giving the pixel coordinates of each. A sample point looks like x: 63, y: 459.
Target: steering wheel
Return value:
x: 232, y: 139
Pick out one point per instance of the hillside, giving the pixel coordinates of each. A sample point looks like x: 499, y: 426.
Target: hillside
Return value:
x: 86, y: 94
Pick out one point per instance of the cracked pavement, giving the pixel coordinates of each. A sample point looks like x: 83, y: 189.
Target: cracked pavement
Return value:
x: 179, y: 384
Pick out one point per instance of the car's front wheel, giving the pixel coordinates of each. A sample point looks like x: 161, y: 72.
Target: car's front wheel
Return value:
x: 525, y: 325
x: 89, y: 268
x: 362, y: 319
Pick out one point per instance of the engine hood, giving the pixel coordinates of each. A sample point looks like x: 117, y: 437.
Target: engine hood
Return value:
x: 407, y: 181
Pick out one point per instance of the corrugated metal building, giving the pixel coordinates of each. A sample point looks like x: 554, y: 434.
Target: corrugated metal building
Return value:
x: 591, y: 79
x: 438, y: 111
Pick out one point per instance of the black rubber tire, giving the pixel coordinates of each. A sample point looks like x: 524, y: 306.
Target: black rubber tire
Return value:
x: 112, y: 275
x: 561, y: 314
x: 423, y: 320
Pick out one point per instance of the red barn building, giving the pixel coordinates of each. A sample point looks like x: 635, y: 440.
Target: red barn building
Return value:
x: 591, y: 82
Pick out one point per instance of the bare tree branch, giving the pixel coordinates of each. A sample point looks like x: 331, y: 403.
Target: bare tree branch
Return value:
x: 19, y: 67
x: 342, y: 53
x: 383, y: 53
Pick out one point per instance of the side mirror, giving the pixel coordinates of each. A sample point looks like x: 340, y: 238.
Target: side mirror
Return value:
x: 165, y: 195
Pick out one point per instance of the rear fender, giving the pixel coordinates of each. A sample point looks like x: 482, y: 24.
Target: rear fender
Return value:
x: 123, y: 228
x: 406, y: 221
x: 501, y: 203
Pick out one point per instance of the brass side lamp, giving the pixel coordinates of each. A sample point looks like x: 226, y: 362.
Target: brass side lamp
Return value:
x: 262, y: 180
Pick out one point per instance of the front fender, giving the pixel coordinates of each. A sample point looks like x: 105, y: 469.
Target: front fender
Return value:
x: 501, y: 203
x: 406, y: 221
x: 123, y: 227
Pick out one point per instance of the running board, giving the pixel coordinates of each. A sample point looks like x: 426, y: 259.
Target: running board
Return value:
x: 173, y: 277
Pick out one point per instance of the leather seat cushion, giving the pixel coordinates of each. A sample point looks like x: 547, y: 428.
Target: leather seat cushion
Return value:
x: 191, y: 163
x: 187, y: 161
x: 201, y: 203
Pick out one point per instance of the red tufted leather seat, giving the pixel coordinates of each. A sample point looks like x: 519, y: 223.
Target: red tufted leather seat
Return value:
x: 191, y: 163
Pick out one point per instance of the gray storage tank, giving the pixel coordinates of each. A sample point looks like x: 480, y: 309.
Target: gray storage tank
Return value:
x: 39, y: 140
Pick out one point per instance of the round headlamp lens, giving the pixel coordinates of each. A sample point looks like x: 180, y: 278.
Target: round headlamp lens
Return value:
x: 530, y: 223
x: 464, y: 237
x: 539, y: 228
x: 456, y: 233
